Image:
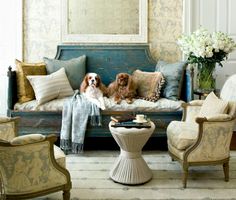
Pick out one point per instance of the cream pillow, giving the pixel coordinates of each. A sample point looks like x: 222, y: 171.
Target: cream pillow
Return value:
x: 55, y: 85
x: 212, y: 105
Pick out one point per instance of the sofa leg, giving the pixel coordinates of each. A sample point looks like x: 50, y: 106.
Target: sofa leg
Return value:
x: 66, y: 195
x: 185, y: 176
x: 226, y: 171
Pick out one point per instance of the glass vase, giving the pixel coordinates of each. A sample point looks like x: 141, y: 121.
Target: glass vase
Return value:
x: 206, y: 76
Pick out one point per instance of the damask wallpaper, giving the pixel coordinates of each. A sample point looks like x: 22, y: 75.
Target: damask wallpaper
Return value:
x: 42, y: 29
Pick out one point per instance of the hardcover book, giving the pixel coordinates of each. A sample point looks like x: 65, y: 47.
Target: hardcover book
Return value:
x: 122, y: 118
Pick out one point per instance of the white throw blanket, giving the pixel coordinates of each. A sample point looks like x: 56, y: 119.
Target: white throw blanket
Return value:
x: 75, y: 115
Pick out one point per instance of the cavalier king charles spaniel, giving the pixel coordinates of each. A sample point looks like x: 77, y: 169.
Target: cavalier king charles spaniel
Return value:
x: 93, y: 88
x: 124, y: 87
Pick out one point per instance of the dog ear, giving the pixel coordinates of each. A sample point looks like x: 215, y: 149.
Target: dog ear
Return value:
x: 84, y: 84
x: 99, y: 81
x: 130, y: 84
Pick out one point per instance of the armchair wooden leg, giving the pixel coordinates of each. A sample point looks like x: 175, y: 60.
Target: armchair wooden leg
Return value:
x: 66, y: 195
x: 185, y: 175
x: 226, y: 171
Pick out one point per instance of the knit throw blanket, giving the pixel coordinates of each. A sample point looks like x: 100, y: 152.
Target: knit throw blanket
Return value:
x: 75, y: 115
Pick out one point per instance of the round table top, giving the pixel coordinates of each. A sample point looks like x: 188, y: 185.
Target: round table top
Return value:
x: 125, y: 130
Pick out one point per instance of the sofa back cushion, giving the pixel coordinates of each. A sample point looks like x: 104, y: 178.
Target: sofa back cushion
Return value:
x: 25, y: 91
x: 149, y: 84
x: 174, y: 75
x: 75, y: 69
x: 55, y: 85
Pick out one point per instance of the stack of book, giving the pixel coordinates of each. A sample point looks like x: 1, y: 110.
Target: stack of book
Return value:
x: 128, y: 122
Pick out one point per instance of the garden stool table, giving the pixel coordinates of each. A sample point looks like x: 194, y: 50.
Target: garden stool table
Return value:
x: 130, y: 167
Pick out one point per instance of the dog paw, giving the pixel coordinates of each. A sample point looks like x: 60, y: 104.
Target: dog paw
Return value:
x: 129, y: 101
x: 103, y: 107
x: 118, y: 102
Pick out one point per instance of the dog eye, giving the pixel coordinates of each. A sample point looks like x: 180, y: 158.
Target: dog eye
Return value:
x: 89, y: 77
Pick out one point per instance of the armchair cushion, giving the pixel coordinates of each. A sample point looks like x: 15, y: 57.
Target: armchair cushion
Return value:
x: 213, y: 106
x: 181, y: 135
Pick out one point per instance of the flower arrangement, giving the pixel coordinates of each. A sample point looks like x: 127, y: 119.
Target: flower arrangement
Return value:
x: 204, y: 47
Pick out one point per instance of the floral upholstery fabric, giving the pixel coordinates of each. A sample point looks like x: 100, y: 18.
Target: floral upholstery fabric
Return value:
x: 182, y: 134
x: 7, y: 129
x: 28, y: 168
x: 59, y: 156
x: 215, y: 142
x: 192, y: 113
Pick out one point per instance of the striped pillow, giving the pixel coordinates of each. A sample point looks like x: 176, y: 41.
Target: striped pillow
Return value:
x: 48, y: 87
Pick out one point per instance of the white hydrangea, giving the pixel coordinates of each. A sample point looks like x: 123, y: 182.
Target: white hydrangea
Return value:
x: 203, y: 44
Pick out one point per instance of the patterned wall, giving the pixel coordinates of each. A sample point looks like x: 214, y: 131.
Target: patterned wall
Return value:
x: 42, y: 29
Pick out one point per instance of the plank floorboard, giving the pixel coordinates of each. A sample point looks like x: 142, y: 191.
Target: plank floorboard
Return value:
x: 91, y: 181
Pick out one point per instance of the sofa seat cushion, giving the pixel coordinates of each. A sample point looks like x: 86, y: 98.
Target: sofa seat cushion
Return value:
x: 60, y: 156
x: 181, y: 135
x: 164, y: 105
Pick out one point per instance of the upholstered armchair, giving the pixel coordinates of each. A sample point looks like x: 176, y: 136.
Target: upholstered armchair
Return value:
x: 31, y: 165
x: 203, y: 136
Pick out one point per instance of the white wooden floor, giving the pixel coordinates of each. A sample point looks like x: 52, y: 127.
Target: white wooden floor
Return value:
x: 90, y: 179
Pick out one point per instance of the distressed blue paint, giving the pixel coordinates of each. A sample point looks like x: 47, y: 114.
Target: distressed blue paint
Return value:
x: 107, y: 61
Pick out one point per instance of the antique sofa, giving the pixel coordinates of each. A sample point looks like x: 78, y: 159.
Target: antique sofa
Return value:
x: 107, y: 61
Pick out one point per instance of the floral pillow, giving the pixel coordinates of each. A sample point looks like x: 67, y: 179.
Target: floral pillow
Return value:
x: 149, y: 84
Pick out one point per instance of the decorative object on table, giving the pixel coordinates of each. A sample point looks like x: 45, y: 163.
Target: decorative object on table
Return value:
x: 131, y: 121
x: 122, y: 118
x: 205, y: 50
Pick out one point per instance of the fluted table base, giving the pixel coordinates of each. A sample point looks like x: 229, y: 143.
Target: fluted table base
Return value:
x: 130, y: 167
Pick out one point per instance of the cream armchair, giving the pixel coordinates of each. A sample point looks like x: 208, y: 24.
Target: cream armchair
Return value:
x: 204, y: 140
x: 31, y: 165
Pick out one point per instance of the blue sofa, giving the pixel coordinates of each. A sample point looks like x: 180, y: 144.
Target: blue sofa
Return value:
x: 107, y: 61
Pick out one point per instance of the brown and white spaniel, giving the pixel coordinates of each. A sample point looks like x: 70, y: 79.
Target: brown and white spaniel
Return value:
x: 124, y: 87
x: 93, y: 88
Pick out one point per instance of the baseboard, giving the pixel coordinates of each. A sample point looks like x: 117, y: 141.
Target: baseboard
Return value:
x: 233, y: 141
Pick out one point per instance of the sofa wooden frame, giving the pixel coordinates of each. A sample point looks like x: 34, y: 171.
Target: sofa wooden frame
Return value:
x: 107, y: 61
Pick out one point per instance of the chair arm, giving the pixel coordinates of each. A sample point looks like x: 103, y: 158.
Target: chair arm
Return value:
x: 190, y: 110
x: 27, y: 139
x: 32, y: 167
x: 213, y: 140
x: 8, y: 127
x: 214, y: 118
x: 9, y: 119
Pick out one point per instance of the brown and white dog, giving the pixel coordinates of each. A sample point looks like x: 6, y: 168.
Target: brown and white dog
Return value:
x: 124, y: 87
x: 93, y: 88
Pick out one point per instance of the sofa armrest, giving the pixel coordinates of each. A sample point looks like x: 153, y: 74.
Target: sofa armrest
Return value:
x: 187, y: 88
x: 12, y: 90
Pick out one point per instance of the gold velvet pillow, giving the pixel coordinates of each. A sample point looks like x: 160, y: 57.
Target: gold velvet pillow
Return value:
x: 149, y: 84
x: 25, y: 91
